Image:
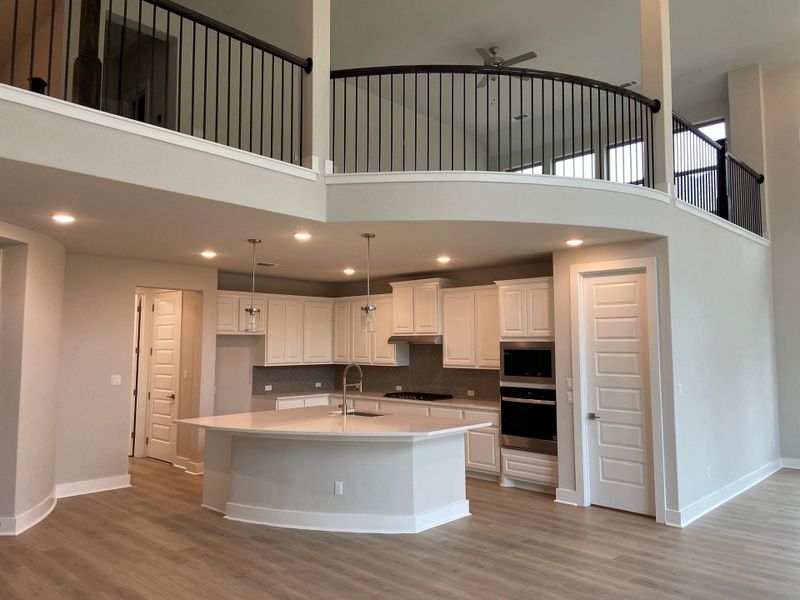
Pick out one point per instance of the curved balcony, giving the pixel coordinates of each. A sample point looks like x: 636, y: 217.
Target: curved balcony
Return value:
x: 515, y: 120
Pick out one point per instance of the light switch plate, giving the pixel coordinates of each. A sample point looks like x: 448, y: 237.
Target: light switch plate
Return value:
x: 318, y: 384
x: 470, y: 393
x: 267, y: 388
x: 398, y: 388
x: 116, y: 380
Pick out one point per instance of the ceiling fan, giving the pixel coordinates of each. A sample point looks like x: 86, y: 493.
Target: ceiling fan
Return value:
x: 491, y: 58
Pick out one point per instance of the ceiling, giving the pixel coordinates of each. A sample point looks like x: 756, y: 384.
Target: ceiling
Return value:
x: 127, y: 221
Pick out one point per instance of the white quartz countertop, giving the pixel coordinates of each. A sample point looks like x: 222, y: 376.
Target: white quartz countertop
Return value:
x: 468, y: 403
x: 317, y: 422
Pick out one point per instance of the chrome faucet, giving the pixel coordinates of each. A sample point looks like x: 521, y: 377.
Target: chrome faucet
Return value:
x: 345, y: 385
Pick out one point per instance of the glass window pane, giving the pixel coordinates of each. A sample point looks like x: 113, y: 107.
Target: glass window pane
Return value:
x: 576, y: 166
x: 626, y: 163
x: 716, y: 131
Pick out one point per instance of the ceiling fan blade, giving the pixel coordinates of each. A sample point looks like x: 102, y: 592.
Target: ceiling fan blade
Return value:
x: 487, y: 58
x: 483, y: 82
x: 520, y: 58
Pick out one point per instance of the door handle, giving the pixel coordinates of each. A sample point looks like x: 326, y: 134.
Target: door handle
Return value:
x: 171, y: 396
x: 593, y: 416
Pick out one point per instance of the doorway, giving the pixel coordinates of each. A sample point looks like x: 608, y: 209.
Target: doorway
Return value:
x: 617, y: 407
x: 166, y: 386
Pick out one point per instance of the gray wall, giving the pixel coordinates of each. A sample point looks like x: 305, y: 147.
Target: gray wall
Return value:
x: 293, y: 379
x: 781, y: 91
x: 238, y: 282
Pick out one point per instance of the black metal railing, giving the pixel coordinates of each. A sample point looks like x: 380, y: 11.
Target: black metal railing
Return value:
x: 419, y: 118
x: 711, y: 178
x: 158, y: 62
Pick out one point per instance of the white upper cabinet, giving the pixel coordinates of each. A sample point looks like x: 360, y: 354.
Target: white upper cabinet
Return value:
x: 341, y: 332
x: 361, y: 341
x: 416, y: 307
x: 284, y: 339
x: 231, y: 318
x: 318, y: 332
x: 526, y: 308
x: 293, y: 342
x: 471, y: 328
x: 383, y: 353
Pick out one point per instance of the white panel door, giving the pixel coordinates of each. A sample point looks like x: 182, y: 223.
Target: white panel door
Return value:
x: 361, y: 341
x: 403, y: 309
x: 293, y: 352
x: 258, y: 302
x: 383, y: 353
x: 318, y: 331
x: 164, y: 375
x: 276, y: 331
x: 227, y: 313
x: 483, y: 450
x: 617, y: 391
x: 426, y: 308
x: 458, y: 314
x: 512, y: 311
x: 341, y: 332
x: 487, y: 329
x: 540, y: 310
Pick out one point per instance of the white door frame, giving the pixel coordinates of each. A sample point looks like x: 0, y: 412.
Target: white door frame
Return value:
x: 578, y: 272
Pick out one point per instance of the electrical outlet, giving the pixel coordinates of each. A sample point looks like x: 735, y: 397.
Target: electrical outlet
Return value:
x: 680, y: 389
x: 470, y: 393
x: 398, y: 388
x: 116, y: 380
x: 267, y: 388
x: 338, y: 488
x: 708, y: 472
x: 318, y: 384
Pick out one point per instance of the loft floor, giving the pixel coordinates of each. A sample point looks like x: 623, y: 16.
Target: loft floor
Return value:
x: 154, y: 541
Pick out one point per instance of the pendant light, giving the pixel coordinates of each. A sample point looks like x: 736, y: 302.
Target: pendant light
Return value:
x: 368, y: 311
x: 253, y: 312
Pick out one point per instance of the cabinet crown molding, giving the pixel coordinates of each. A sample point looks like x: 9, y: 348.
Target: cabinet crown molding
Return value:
x: 441, y: 281
x: 545, y: 278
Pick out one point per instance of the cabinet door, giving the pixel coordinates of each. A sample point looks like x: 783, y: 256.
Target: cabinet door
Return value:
x: 289, y: 403
x: 227, y: 313
x: 483, y: 450
x: 403, y: 309
x: 426, y: 308
x: 383, y: 353
x: 294, y: 332
x: 341, y: 332
x: 399, y: 408
x: 321, y: 400
x: 540, y: 310
x: 512, y: 311
x: 458, y: 314
x: 359, y: 339
x: 261, y: 319
x: 276, y: 331
x: 487, y: 329
x: 448, y: 413
x: 318, y: 331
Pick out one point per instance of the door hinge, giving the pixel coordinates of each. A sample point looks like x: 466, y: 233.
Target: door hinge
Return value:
x: 133, y: 435
x: 151, y: 352
x: 135, y: 393
x: 138, y: 308
x: 148, y: 395
x: 153, y: 308
x: 147, y: 440
x: 136, y: 351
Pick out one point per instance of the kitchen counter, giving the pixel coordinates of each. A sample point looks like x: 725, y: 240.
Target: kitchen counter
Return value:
x: 467, y: 403
x: 310, y: 469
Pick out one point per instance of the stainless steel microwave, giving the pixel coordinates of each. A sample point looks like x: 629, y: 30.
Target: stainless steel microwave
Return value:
x: 528, y: 363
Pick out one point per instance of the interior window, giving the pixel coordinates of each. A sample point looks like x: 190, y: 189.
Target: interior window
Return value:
x: 626, y: 162
x: 578, y: 165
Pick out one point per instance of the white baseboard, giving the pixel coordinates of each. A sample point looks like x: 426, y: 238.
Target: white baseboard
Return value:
x: 484, y: 476
x: 689, y: 514
x: 194, y: 468
x: 510, y: 482
x: 23, y: 522
x: 347, y: 522
x: 180, y: 462
x: 90, y: 486
x: 790, y: 463
x: 565, y: 496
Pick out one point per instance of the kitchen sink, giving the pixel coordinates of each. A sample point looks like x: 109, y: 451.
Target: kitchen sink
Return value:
x: 359, y: 413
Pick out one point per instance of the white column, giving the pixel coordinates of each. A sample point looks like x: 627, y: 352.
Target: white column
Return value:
x: 315, y: 41
x: 657, y: 83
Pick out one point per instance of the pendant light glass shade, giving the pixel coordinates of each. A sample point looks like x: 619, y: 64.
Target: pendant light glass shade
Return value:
x: 252, y: 312
x: 368, y: 311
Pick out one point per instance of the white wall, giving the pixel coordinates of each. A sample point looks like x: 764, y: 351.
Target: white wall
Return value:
x: 781, y: 91
x: 234, y: 369
x: 30, y: 402
x: 93, y: 416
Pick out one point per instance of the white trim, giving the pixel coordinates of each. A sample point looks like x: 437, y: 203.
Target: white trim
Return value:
x: 491, y: 177
x: 577, y: 272
x: 483, y: 476
x: 689, y: 514
x: 213, y: 509
x: 348, y: 522
x: 712, y: 218
x: 153, y: 132
x: 26, y: 520
x: 91, y: 486
x: 195, y: 468
x: 511, y: 482
x: 180, y: 462
x: 565, y: 496
x: 790, y: 463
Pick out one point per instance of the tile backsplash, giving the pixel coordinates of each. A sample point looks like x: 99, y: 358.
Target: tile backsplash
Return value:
x: 425, y: 373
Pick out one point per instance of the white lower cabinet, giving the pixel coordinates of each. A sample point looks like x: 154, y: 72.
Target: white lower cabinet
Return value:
x: 302, y: 401
x: 531, y: 467
x: 483, y: 450
x: 398, y: 408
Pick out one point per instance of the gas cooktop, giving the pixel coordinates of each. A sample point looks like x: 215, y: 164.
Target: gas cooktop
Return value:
x: 417, y: 396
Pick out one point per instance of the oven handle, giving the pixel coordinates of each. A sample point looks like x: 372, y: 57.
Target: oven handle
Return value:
x: 528, y: 400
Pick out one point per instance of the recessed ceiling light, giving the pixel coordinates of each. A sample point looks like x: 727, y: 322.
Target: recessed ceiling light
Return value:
x: 208, y: 254
x: 63, y: 218
x: 349, y: 271
x: 302, y: 236
x: 444, y: 259
x: 574, y: 242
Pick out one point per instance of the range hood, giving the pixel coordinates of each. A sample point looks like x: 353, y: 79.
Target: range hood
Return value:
x: 416, y: 339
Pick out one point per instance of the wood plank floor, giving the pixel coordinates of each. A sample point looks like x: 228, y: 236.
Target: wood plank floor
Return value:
x: 153, y: 541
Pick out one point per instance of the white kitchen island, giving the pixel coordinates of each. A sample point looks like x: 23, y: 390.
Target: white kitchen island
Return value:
x: 308, y: 468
